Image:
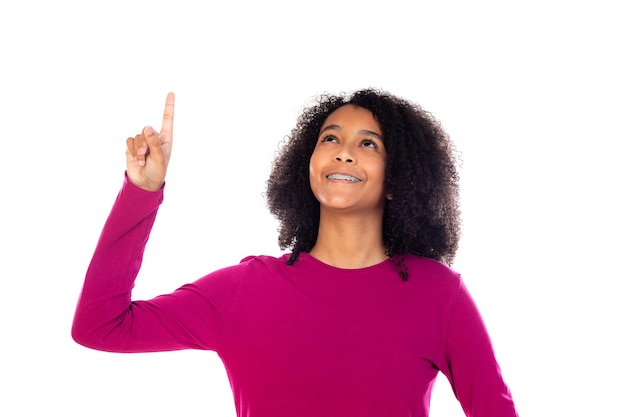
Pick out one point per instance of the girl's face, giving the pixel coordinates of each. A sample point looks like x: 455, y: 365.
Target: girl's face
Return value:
x: 347, y: 166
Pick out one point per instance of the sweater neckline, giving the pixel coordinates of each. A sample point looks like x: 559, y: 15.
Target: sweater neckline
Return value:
x: 316, y: 262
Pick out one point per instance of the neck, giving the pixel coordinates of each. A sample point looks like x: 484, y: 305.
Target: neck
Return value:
x: 349, y: 242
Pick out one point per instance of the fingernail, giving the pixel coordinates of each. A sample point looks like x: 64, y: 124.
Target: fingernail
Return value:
x: 149, y: 131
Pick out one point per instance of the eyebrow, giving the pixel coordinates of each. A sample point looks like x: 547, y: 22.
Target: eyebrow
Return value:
x: 364, y: 131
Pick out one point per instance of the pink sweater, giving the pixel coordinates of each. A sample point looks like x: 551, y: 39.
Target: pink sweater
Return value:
x: 302, y: 340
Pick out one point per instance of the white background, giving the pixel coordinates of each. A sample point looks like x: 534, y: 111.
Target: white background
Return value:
x: 532, y: 93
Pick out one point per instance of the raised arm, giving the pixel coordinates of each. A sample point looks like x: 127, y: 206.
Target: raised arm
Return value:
x: 106, y: 317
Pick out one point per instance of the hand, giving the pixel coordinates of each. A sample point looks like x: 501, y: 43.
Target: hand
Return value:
x: 148, y: 154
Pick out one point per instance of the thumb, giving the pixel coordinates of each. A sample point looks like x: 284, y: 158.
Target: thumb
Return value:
x: 154, y: 144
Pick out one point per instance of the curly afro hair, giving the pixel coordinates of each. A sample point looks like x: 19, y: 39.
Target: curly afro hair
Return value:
x: 423, y: 215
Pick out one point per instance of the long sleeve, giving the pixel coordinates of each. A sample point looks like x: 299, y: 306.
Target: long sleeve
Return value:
x: 107, y: 319
x: 472, y: 367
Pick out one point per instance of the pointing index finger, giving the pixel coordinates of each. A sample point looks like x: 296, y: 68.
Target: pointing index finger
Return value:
x: 167, y: 126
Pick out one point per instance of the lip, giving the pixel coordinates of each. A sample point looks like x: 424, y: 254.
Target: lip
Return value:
x: 343, y: 176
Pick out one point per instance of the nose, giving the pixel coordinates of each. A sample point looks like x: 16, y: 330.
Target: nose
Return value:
x: 344, y: 156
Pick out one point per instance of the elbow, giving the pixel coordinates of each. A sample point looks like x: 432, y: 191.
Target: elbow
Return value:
x: 84, y: 337
x: 80, y: 336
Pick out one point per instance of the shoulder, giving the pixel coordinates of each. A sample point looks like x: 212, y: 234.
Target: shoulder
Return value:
x: 268, y: 260
x: 247, y: 270
x: 266, y: 263
x: 432, y: 273
x: 429, y: 266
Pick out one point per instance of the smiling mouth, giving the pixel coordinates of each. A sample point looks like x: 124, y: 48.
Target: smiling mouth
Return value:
x: 343, y: 177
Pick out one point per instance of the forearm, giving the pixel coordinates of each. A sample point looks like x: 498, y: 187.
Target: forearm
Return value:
x: 105, y: 302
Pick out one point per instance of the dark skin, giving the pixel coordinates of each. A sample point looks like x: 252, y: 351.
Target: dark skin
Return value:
x: 421, y: 214
x: 350, y: 233
x: 420, y: 191
x: 347, y: 177
x: 148, y: 153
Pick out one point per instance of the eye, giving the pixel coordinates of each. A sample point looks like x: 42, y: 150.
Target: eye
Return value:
x: 329, y: 138
x: 369, y: 144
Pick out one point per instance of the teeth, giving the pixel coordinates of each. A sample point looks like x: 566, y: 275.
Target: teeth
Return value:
x: 343, y: 177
